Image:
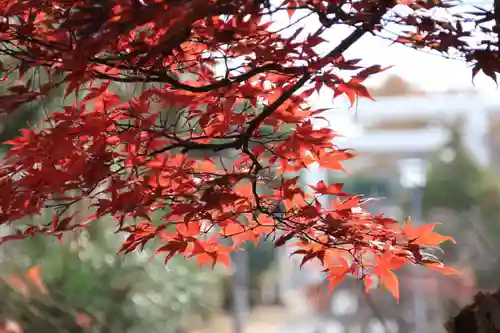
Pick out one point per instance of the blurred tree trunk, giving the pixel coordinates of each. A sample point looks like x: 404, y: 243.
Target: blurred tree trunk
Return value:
x: 482, y: 316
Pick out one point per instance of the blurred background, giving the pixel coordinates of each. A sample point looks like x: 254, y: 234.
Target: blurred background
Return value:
x: 429, y: 147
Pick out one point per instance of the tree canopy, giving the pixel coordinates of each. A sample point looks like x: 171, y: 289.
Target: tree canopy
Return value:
x: 223, y: 119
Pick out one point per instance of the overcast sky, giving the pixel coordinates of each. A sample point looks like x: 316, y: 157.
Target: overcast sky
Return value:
x: 429, y: 71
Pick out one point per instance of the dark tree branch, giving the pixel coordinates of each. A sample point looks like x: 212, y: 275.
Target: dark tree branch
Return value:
x: 242, y: 141
x: 226, y: 82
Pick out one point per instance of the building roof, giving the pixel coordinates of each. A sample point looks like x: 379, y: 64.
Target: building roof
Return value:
x: 473, y: 109
x: 409, y: 141
x: 434, y: 106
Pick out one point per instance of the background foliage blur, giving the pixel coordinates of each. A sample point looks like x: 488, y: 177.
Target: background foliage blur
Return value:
x: 465, y: 197
x: 84, y: 278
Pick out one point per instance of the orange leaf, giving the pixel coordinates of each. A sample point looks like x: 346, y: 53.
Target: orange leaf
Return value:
x: 224, y: 259
x: 424, y: 235
x: 332, y: 160
x: 432, y: 239
x: 233, y: 228
x: 442, y: 268
x: 274, y: 95
x: 368, y: 281
x: 391, y: 283
x: 266, y: 224
x: 205, y: 259
x: 34, y: 275
x: 334, y: 189
x: 346, y: 204
x: 332, y: 256
x: 337, y: 273
x: 207, y: 166
x: 291, y: 8
x: 296, y: 201
x: 239, y: 235
x: 192, y: 228
x: 383, y: 269
x: 359, y: 89
x: 244, y: 189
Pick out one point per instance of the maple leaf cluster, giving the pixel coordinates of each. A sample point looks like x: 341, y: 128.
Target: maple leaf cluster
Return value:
x: 207, y: 149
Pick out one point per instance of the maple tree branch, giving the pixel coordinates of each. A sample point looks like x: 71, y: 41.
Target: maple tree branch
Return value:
x: 328, y: 22
x: 189, y: 145
x: 346, y: 43
x: 276, y: 104
x: 359, y: 32
x: 165, y: 78
x: 337, y: 51
x: 242, y: 141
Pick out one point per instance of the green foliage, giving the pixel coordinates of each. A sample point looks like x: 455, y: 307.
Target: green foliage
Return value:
x: 27, y: 113
x: 119, y: 294
x: 455, y: 184
x: 472, y: 192
x: 366, y: 186
x: 260, y: 260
